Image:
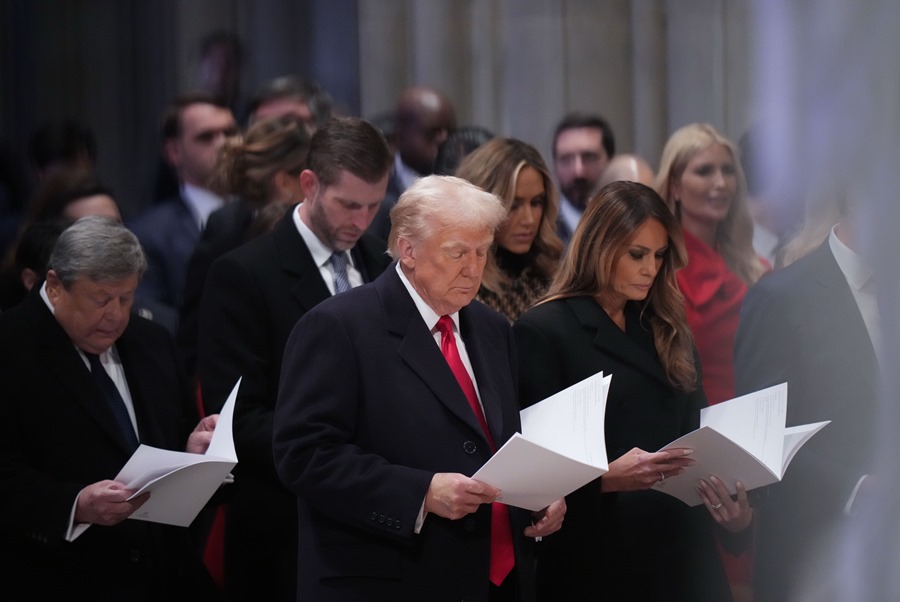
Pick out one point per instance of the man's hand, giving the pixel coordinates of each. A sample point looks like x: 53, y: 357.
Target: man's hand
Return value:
x: 454, y: 495
x: 198, y: 441
x: 106, y: 503
x: 549, y: 520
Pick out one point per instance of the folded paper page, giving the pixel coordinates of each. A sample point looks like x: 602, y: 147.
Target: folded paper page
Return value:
x: 743, y: 439
x: 181, y: 483
x: 561, y: 447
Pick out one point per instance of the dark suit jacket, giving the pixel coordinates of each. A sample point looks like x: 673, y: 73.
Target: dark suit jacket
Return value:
x: 226, y: 229
x: 168, y: 232
x: 610, y: 540
x: 253, y: 297
x: 368, y: 411
x: 801, y: 325
x: 56, y: 437
x: 381, y: 225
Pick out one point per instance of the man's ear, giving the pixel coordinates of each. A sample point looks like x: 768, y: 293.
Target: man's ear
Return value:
x: 309, y: 184
x: 171, y: 152
x: 407, y: 252
x: 54, y: 287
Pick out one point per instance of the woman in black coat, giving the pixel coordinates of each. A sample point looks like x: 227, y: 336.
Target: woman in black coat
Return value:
x: 614, y: 306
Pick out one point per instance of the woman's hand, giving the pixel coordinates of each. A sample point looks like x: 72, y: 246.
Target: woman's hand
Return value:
x: 733, y: 514
x: 637, y: 469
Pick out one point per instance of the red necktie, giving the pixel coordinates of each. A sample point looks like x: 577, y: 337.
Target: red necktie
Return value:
x: 502, y: 555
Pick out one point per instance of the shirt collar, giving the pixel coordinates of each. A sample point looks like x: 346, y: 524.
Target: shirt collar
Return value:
x: 569, y: 213
x: 201, y: 202
x: 428, y: 315
x: 854, y: 267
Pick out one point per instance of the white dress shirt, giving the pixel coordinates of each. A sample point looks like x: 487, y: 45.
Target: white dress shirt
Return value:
x: 321, y: 255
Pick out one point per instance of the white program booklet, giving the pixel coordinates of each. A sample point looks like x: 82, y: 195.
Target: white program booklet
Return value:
x: 561, y: 448
x: 180, y: 483
x: 743, y: 439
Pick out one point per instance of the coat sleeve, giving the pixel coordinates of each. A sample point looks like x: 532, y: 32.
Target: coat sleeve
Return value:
x: 318, y: 424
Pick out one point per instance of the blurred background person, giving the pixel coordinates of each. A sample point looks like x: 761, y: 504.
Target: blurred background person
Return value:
x: 527, y: 250
x: 701, y: 179
x: 288, y: 94
x: 27, y: 265
x: 59, y: 145
x: 582, y: 148
x: 64, y: 196
x: 195, y: 127
x: 614, y: 306
x: 816, y: 325
x: 459, y: 143
x: 423, y: 119
x: 627, y: 167
x: 258, y: 169
x: 70, y: 194
x: 775, y: 220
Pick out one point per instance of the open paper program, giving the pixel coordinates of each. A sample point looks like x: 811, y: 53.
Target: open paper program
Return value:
x: 561, y: 448
x: 743, y: 439
x: 181, y: 483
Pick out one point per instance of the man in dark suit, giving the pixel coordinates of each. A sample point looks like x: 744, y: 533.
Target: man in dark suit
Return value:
x: 582, y: 148
x: 422, y: 121
x: 253, y: 297
x: 83, y: 383
x: 812, y: 324
x: 375, y: 431
x: 194, y: 129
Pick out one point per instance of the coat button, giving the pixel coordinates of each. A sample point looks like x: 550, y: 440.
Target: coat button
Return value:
x: 469, y: 525
x: 374, y: 516
x: 469, y: 447
x: 397, y: 524
x: 389, y: 522
x: 381, y: 518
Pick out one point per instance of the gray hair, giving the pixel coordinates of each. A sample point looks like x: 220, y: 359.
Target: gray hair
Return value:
x: 434, y: 202
x: 97, y: 248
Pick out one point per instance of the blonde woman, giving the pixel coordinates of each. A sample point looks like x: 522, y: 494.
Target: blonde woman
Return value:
x: 701, y: 180
x: 527, y: 250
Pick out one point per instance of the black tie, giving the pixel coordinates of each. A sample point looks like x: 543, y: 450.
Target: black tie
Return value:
x: 113, y: 399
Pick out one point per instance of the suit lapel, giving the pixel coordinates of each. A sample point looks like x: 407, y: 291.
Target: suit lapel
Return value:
x: 417, y: 348
x: 61, y: 358
x: 845, y: 314
x: 480, y: 348
x: 611, y: 340
x: 309, y: 289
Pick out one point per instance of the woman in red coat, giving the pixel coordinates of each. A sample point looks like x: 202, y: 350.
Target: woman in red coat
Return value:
x: 701, y: 179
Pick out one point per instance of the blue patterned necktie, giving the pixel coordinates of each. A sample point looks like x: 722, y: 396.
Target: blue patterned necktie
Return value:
x: 339, y: 265
x: 113, y: 399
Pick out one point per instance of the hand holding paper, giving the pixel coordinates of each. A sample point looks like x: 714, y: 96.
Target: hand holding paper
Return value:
x: 181, y: 483
x: 562, y: 447
x: 743, y: 439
